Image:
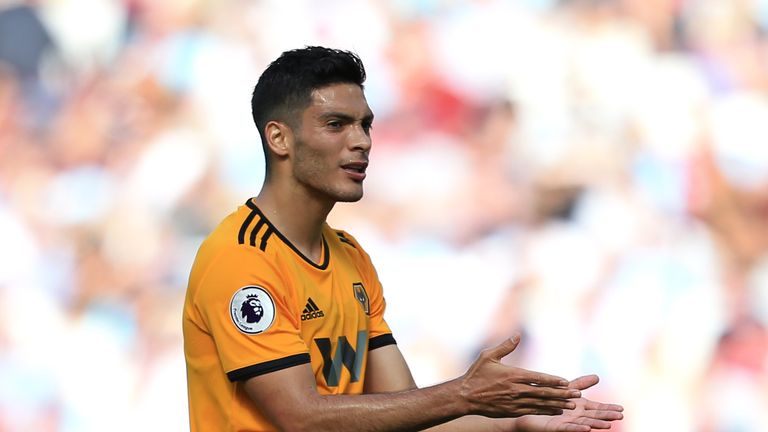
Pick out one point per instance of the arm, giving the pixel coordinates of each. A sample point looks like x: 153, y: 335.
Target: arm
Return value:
x: 290, y: 400
x: 388, y: 372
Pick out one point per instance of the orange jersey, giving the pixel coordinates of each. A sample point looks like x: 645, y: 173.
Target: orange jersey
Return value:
x: 255, y: 304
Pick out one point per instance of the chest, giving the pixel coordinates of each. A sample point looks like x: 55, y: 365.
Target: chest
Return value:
x: 334, y: 322
x: 333, y: 302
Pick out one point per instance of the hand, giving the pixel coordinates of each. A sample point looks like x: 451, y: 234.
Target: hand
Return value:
x: 586, y: 416
x: 497, y: 390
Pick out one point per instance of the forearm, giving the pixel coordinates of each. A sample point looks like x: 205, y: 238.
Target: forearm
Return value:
x: 475, y: 423
x: 289, y: 398
x: 409, y: 417
x: 409, y: 410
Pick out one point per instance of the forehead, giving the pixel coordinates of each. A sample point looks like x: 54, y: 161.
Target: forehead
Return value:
x: 342, y: 98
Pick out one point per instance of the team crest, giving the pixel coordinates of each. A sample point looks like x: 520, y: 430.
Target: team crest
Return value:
x: 252, y: 309
x: 362, y: 297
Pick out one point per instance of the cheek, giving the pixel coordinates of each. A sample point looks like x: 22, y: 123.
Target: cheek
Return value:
x: 313, y: 161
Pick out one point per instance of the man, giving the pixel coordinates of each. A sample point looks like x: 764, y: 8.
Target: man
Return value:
x: 283, y: 319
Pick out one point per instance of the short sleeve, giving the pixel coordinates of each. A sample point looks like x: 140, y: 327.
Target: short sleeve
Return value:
x: 251, y: 315
x: 379, y: 331
x: 378, y: 325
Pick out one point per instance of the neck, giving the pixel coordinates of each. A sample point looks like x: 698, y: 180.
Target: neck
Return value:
x: 299, y: 217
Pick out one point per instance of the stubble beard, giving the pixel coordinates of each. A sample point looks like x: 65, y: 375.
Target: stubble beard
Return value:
x: 318, y: 179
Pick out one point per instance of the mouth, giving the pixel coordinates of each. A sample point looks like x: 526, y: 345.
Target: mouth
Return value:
x: 356, y: 169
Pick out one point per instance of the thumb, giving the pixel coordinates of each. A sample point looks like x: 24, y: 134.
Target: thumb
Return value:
x: 503, y: 349
x: 584, y: 382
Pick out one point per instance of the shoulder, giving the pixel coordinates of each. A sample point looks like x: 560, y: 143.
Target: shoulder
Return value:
x: 253, y: 229
x: 344, y: 239
x: 235, y: 249
x: 243, y: 231
x: 349, y: 244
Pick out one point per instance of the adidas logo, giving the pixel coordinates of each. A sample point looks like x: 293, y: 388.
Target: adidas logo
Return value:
x: 311, y: 311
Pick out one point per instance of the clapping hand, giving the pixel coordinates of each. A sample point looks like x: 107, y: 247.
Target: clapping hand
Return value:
x: 586, y: 416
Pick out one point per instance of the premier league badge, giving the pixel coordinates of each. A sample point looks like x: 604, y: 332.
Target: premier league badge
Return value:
x: 252, y: 309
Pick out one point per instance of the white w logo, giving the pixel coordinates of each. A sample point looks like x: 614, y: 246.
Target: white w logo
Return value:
x: 345, y: 355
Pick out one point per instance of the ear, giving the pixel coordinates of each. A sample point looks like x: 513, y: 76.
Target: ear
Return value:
x: 279, y: 138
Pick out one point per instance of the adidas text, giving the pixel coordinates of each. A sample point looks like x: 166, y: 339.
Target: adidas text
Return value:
x: 312, y: 315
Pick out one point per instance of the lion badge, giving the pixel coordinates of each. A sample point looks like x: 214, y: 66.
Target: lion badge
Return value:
x: 252, y: 309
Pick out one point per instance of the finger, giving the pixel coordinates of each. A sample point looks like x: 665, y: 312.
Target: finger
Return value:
x: 603, y: 415
x: 503, y: 349
x: 524, y: 411
x: 549, y: 392
x: 594, y: 423
x: 545, y: 403
x: 592, y: 405
x: 542, y: 379
x: 584, y: 382
x: 570, y: 427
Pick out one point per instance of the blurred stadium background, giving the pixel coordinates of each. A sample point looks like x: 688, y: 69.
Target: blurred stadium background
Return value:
x: 593, y: 173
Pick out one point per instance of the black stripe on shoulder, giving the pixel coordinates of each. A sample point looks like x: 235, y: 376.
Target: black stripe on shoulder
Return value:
x: 256, y: 230
x: 380, y: 341
x: 245, y: 373
x: 273, y: 230
x: 344, y: 239
x: 244, y: 226
x: 265, y: 238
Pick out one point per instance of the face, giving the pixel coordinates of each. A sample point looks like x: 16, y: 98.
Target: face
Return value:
x: 331, y: 147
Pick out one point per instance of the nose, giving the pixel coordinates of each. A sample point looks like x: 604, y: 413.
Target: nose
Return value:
x: 360, y: 140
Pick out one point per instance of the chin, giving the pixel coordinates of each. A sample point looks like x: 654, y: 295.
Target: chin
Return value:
x: 348, y: 196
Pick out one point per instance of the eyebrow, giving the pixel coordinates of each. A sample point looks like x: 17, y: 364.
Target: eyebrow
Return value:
x: 345, y: 117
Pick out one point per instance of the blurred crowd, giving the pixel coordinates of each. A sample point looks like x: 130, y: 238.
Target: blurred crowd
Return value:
x: 591, y: 173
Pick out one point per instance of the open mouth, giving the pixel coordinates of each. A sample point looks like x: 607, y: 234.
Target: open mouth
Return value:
x: 356, y: 170
x: 356, y: 167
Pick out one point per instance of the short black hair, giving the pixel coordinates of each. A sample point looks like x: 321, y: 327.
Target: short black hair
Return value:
x: 285, y: 87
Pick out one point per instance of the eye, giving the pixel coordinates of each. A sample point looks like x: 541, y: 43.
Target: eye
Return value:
x: 334, y: 124
x: 367, y: 126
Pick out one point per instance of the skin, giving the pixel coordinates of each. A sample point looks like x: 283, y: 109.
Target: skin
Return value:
x: 388, y: 372
x: 586, y: 416
x: 308, y: 174
x: 316, y: 165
